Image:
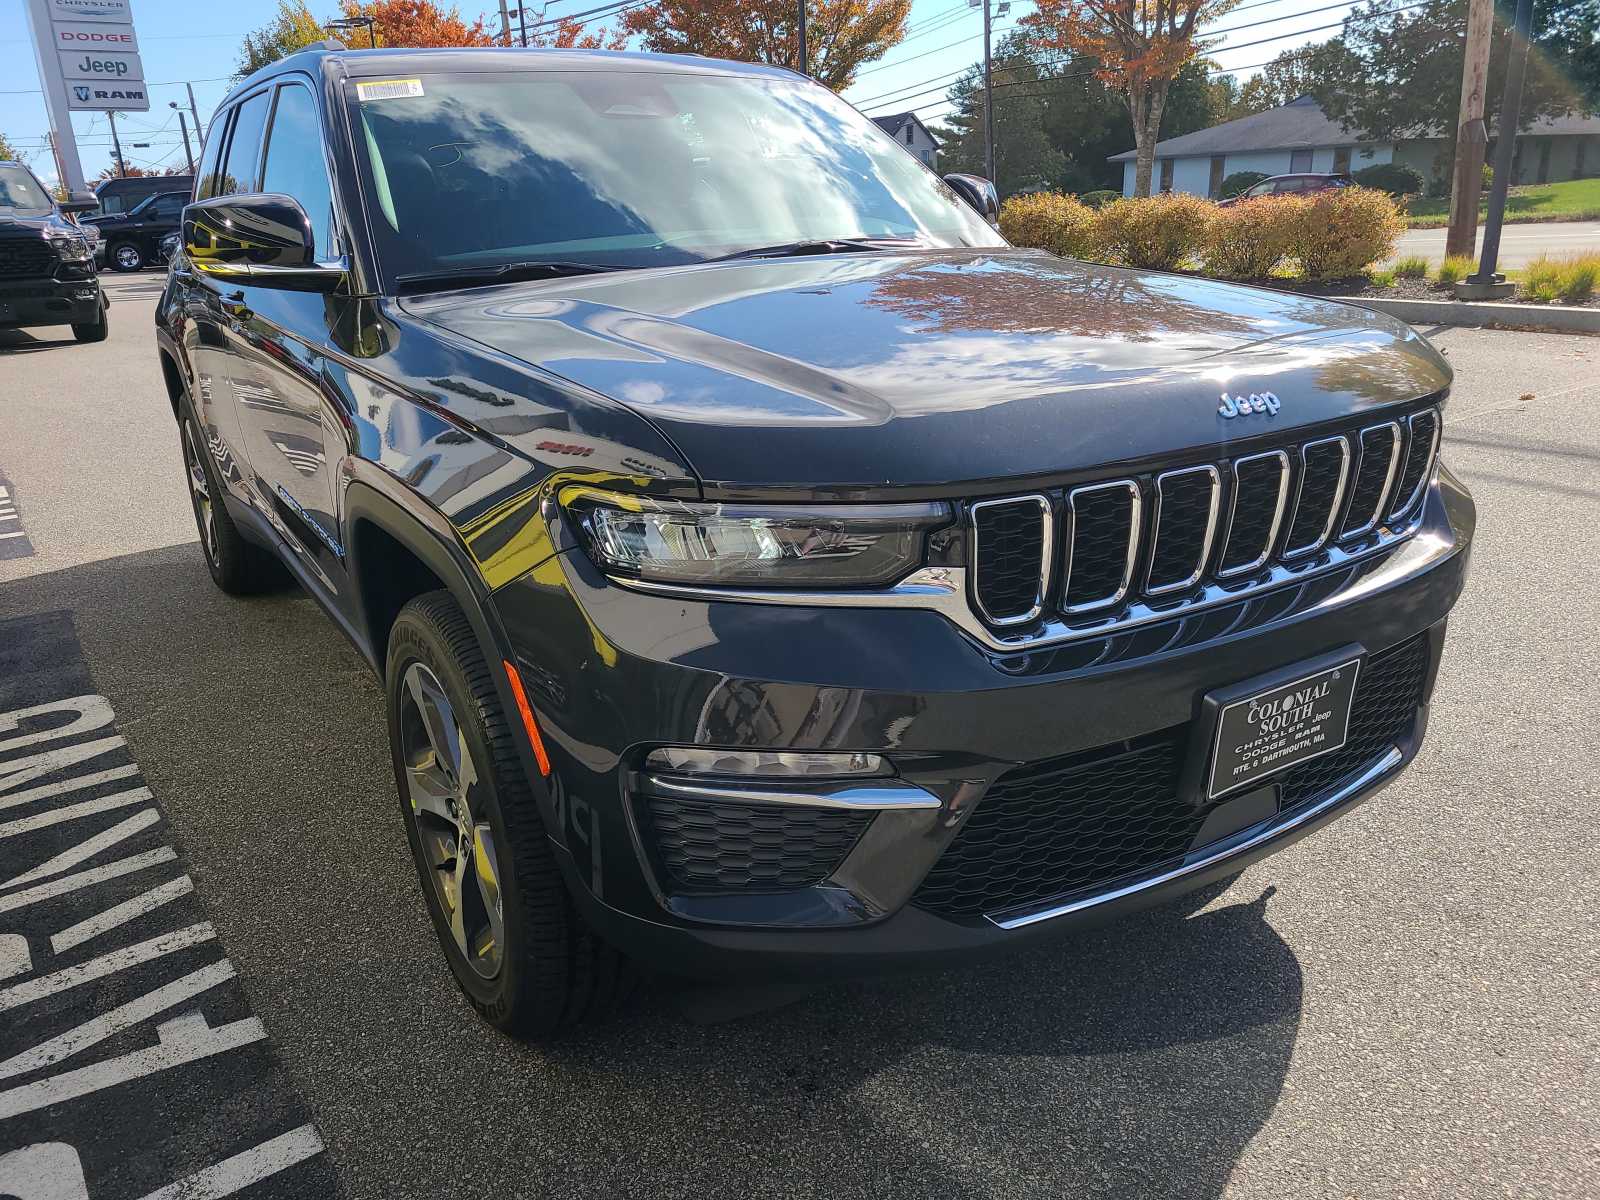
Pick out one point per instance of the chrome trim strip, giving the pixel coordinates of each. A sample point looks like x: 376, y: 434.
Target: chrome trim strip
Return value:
x: 1388, y: 480
x: 1427, y: 467
x: 1338, y: 496
x: 1278, y: 828
x: 878, y: 796
x: 1135, y: 516
x: 1211, y: 530
x: 1277, y: 512
x: 943, y: 590
x: 1046, y: 556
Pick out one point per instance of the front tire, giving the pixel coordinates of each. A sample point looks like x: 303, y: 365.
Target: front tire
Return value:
x: 509, y: 930
x: 126, y: 256
x: 93, y: 331
x: 238, y: 567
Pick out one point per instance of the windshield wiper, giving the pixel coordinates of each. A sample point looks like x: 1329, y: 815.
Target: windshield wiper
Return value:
x: 845, y: 245
x: 429, y: 281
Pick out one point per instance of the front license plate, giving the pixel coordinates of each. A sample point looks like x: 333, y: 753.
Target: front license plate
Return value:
x: 1282, y: 726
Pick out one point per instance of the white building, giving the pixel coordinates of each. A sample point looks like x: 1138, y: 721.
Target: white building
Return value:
x: 907, y: 129
x: 1299, y: 138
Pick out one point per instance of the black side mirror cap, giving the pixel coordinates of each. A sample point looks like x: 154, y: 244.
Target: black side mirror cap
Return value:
x: 263, y: 239
x: 979, y: 193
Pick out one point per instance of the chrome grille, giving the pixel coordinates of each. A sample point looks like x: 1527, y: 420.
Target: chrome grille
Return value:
x: 1212, y: 531
x: 1380, y: 453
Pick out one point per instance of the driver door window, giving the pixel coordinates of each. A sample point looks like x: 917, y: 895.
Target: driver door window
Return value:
x: 295, y: 165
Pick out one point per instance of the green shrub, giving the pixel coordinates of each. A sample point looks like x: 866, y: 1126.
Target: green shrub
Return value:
x: 1100, y: 197
x: 1572, y: 279
x: 1579, y: 276
x: 1541, y: 279
x: 1340, y: 233
x: 1240, y: 181
x: 1455, y: 268
x: 1051, y: 221
x: 1381, y: 278
x: 1247, y: 240
x: 1155, y: 232
x: 1395, y: 178
x: 1412, y: 266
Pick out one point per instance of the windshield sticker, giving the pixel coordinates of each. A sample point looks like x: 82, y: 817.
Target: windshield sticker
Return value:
x: 388, y: 89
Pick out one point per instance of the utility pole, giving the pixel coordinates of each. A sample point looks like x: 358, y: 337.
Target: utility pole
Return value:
x: 122, y: 167
x: 805, y: 57
x: 505, y: 22
x: 199, y: 129
x: 1471, y: 137
x: 522, y: 23
x: 1487, y: 282
x: 187, y: 153
x: 988, y: 98
x: 55, y: 153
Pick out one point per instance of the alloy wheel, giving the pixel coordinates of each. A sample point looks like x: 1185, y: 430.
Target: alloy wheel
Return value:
x: 447, y: 808
x: 205, y: 516
x: 128, y: 258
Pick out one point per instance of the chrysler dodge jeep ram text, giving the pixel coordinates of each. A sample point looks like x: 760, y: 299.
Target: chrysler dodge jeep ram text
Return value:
x: 768, y: 567
x: 47, y: 271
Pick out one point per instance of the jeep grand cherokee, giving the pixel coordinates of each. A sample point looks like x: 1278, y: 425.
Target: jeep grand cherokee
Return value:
x: 768, y: 567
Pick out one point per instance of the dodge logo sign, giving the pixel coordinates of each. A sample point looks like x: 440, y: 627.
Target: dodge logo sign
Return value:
x: 1243, y: 406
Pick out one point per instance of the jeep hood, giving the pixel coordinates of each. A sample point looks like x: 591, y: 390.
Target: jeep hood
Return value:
x: 841, y: 373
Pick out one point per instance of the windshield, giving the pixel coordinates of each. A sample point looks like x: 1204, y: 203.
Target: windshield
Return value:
x: 632, y: 169
x: 19, y: 190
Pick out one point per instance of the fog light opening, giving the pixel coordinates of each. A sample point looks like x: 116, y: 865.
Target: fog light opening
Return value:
x: 768, y: 764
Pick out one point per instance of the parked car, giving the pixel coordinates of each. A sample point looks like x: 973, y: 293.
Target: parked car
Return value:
x: 47, y: 271
x: 1282, y: 185
x: 132, y: 241
x: 121, y: 195
x: 768, y: 568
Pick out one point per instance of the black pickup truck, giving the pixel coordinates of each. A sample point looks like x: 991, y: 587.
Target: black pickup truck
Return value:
x: 769, y: 568
x: 47, y: 269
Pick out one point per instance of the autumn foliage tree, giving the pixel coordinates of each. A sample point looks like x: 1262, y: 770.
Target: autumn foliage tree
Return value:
x: 1140, y: 46
x: 841, y: 35
x: 418, y: 23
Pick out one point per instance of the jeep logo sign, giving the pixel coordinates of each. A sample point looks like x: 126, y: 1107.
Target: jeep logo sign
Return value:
x: 101, y: 64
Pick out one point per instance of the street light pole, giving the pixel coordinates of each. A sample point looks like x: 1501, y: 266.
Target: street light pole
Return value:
x: 988, y: 98
x: 1470, y: 138
x: 122, y: 167
x: 1487, y: 282
x: 805, y: 57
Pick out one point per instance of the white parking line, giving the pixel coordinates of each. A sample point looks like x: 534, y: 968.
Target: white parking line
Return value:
x: 73, y: 812
x: 83, y: 879
x: 120, y: 914
x: 240, y: 1171
x: 85, y: 850
x: 75, y: 784
x: 121, y: 959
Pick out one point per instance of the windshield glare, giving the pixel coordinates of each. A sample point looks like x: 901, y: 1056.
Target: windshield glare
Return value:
x: 633, y: 169
x: 19, y: 190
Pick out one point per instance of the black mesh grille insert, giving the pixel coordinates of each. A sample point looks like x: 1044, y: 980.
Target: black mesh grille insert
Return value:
x: 1377, y: 446
x: 1051, y: 829
x: 27, y: 258
x: 1101, y: 522
x: 1256, y: 486
x: 1183, y: 515
x: 1009, y: 557
x: 756, y: 846
x: 1319, y: 489
x: 1419, y: 453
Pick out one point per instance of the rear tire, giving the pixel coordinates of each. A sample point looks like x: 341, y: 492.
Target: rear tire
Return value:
x: 509, y: 929
x: 125, y: 257
x: 238, y: 567
x: 93, y: 331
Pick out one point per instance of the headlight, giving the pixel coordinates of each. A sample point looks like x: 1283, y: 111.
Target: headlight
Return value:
x: 738, y: 545
x: 70, y: 248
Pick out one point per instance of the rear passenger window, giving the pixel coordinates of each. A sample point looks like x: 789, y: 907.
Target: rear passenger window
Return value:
x: 205, y: 183
x: 244, y: 147
x: 295, y: 165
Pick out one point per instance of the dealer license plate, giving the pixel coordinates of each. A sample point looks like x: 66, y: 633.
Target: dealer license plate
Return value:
x: 1282, y: 727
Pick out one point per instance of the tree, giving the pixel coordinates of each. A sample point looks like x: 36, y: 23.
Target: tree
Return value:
x: 565, y: 33
x: 1139, y: 45
x: 292, y: 29
x: 841, y: 35
x: 1024, y: 157
x: 1302, y: 71
x: 7, y: 150
x: 418, y: 23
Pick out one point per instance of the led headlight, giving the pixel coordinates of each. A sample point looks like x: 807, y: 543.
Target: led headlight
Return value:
x: 70, y: 247
x: 753, y: 546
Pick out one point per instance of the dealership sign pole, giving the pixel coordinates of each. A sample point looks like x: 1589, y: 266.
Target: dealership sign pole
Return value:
x: 88, y: 58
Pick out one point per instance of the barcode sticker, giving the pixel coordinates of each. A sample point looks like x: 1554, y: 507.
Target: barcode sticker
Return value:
x: 388, y: 89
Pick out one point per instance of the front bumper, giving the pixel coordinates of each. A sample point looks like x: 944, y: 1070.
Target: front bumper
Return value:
x: 49, y: 302
x: 614, y: 672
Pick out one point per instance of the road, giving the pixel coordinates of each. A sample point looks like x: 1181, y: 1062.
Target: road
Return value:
x: 1519, y: 244
x: 1402, y: 1005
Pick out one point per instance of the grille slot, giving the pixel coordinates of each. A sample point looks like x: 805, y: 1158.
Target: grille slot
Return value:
x: 1104, y: 542
x: 1422, y: 443
x: 1051, y: 829
x: 1011, y: 547
x: 27, y: 258
x: 702, y: 846
x: 1324, y: 470
x: 1185, y: 523
x: 1380, y: 454
x: 1260, y: 490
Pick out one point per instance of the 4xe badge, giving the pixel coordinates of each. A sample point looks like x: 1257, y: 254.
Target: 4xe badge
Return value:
x: 1243, y: 406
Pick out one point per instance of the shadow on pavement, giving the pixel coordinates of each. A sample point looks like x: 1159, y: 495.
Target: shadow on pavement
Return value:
x: 1138, y: 1060
x: 19, y: 341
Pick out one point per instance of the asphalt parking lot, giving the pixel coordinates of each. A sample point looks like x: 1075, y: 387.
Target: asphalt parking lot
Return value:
x: 1402, y: 1005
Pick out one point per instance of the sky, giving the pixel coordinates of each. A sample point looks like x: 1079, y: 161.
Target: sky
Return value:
x: 198, y: 41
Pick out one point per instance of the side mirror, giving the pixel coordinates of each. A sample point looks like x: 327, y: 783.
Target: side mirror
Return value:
x: 79, y: 202
x: 978, y: 192
x: 264, y: 240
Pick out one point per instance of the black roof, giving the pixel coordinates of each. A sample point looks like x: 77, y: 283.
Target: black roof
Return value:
x: 325, y: 57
